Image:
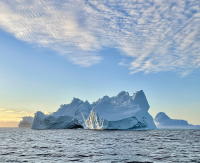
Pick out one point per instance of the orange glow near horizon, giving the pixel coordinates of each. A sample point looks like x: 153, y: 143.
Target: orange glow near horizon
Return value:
x: 11, y: 118
x: 9, y: 123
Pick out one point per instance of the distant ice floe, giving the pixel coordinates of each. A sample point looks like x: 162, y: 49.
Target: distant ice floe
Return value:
x: 119, y: 112
x: 163, y: 121
x: 26, y: 122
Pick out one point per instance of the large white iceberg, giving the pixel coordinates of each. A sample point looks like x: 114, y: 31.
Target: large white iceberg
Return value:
x: 119, y: 112
x: 163, y: 121
x: 26, y: 122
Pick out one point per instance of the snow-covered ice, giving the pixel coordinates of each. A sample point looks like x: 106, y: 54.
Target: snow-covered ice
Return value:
x: 119, y: 112
x: 26, y: 122
x: 163, y: 121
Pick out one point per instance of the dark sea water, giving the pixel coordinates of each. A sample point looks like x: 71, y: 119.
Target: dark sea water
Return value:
x: 26, y: 145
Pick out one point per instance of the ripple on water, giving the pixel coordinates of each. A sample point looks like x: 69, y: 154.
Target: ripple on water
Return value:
x: 26, y: 145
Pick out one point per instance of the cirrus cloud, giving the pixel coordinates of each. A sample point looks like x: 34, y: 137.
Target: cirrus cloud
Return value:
x: 156, y: 35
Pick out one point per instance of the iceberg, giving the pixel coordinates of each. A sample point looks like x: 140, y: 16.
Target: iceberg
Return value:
x: 163, y: 121
x: 121, y: 112
x: 26, y: 122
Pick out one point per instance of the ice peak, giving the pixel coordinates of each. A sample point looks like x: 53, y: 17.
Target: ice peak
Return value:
x: 76, y: 100
x: 86, y: 102
x: 140, y: 99
x: 105, y: 98
x: 123, y: 93
x: 161, y: 116
x: 139, y: 92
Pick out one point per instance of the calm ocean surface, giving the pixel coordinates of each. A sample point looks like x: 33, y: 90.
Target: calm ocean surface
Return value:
x: 26, y: 145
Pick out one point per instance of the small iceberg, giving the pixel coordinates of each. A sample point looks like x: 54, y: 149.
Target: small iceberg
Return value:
x: 163, y: 121
x: 26, y: 122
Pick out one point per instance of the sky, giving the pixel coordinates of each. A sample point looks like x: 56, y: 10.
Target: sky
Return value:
x: 54, y: 50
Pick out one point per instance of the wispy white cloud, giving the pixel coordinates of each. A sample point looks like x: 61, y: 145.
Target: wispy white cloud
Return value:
x: 156, y: 35
x: 52, y: 25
